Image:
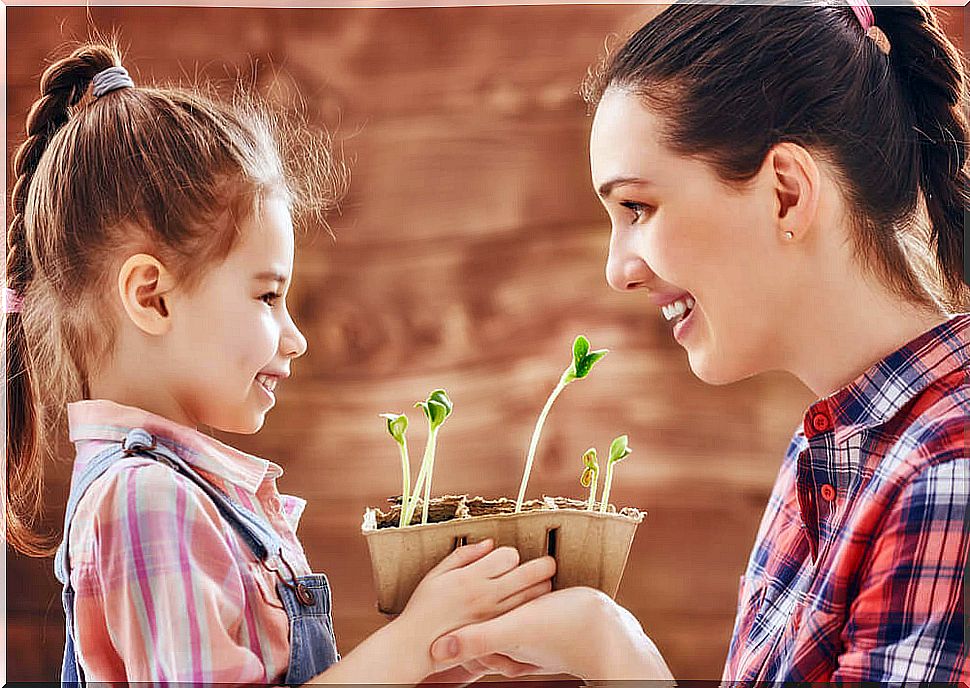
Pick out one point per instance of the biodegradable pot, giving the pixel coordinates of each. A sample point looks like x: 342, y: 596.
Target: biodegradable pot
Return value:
x: 590, y: 547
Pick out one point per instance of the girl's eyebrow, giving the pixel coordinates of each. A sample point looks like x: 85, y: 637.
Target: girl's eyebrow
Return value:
x: 270, y: 275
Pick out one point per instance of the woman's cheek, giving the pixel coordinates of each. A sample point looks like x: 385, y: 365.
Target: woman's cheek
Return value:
x: 665, y: 253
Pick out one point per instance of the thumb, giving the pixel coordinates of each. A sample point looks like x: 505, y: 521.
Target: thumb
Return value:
x: 468, y: 643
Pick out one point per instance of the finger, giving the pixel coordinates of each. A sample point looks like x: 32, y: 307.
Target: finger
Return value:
x: 521, y: 597
x: 495, y: 563
x: 462, y: 556
x: 460, y: 675
x: 471, y: 642
x: 525, y: 576
x: 500, y: 664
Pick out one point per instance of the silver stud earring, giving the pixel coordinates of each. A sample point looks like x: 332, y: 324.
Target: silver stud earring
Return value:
x: 789, y: 235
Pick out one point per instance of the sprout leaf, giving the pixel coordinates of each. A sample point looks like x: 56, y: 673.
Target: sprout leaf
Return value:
x: 397, y: 425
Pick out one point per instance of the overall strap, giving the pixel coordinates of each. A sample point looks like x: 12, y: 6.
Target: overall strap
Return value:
x: 257, y: 535
x: 261, y: 539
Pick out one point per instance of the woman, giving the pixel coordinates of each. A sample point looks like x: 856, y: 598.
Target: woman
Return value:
x: 787, y: 185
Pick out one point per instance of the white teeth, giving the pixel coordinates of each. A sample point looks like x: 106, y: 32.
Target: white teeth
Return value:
x: 677, y: 308
x: 266, y: 381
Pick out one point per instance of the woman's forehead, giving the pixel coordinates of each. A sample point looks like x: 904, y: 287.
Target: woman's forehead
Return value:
x: 625, y: 140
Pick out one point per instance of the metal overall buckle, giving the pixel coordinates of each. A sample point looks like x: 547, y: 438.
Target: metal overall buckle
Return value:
x: 304, y: 595
x: 135, y: 442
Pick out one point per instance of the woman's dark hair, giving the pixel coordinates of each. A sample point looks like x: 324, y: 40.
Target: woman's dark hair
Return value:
x: 733, y: 81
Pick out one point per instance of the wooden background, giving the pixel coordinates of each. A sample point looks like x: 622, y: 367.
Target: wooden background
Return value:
x: 470, y: 251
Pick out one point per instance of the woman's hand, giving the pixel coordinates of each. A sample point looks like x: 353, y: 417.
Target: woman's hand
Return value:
x: 473, y: 584
x: 578, y: 631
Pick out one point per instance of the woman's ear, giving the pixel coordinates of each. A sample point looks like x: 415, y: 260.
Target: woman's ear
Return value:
x: 796, y: 179
x: 144, y: 284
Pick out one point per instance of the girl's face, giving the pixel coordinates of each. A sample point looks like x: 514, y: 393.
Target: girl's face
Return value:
x: 234, y: 339
x: 687, y: 239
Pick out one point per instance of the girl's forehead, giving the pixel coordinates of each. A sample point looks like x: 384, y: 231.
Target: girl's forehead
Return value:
x: 267, y: 236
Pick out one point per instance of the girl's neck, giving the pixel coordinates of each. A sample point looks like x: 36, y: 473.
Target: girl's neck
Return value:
x: 145, y: 397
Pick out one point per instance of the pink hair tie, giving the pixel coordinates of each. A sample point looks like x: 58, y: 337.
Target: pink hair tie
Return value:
x: 12, y: 302
x: 863, y: 12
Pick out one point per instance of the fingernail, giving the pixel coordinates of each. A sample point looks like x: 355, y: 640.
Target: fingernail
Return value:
x: 451, y: 646
x: 487, y: 542
x: 444, y: 648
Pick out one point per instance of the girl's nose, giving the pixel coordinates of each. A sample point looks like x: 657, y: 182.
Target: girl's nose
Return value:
x: 625, y: 270
x: 294, y: 344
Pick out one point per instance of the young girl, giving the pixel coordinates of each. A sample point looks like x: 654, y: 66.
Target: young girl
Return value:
x: 149, y: 258
x: 772, y: 175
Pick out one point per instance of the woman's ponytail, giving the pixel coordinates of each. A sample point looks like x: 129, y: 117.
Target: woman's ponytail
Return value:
x: 62, y: 86
x: 931, y: 76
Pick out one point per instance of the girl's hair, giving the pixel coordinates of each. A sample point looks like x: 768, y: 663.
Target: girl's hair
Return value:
x: 167, y: 171
x: 731, y: 82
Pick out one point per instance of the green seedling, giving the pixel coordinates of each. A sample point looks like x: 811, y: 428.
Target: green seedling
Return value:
x: 583, y: 361
x: 397, y: 426
x: 436, y: 408
x: 590, y: 475
x: 619, y: 450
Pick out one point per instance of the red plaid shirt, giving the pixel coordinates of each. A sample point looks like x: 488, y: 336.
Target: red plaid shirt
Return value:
x: 857, y: 573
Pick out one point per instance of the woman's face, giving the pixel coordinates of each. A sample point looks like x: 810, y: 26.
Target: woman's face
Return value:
x: 235, y: 328
x: 690, y: 241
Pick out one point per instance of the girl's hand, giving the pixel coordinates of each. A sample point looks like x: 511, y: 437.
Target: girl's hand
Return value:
x: 471, y: 585
x: 578, y: 631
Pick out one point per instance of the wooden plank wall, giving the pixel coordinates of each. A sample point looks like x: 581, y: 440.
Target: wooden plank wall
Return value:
x: 469, y: 252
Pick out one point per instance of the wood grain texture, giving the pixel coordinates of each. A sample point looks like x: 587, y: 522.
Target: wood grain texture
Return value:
x: 468, y: 253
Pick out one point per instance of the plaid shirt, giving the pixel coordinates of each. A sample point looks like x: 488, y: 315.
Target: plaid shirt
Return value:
x: 857, y: 573
x: 165, y: 589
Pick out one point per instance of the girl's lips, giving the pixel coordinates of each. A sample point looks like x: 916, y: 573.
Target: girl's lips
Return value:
x: 682, y: 327
x: 269, y: 394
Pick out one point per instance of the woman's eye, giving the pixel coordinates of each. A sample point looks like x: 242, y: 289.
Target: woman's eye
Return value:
x: 270, y: 298
x: 638, y: 209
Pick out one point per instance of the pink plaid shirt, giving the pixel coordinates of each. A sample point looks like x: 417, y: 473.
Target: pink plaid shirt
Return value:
x: 166, y: 590
x: 857, y: 573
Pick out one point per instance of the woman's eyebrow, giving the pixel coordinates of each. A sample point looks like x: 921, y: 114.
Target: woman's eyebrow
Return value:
x: 606, y: 188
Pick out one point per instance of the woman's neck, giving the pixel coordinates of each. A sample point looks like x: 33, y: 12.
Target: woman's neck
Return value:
x: 860, y: 326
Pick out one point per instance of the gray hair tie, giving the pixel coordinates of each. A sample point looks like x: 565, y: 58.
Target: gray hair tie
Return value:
x: 110, y: 79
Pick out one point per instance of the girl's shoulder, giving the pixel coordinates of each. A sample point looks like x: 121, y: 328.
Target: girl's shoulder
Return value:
x: 139, y: 499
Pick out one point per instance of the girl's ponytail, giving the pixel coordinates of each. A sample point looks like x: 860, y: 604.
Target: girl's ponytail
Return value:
x: 62, y: 86
x: 137, y: 168
x: 931, y: 76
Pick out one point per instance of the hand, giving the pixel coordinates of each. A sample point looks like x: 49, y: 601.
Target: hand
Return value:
x: 593, y: 638
x: 467, y: 673
x: 472, y: 584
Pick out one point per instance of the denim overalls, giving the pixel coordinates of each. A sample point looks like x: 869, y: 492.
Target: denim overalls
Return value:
x: 306, y: 599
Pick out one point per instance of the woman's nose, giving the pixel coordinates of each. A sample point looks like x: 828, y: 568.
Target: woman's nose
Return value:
x: 625, y: 270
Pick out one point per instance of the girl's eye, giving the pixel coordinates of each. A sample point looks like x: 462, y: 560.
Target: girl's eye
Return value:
x: 638, y: 209
x: 272, y: 296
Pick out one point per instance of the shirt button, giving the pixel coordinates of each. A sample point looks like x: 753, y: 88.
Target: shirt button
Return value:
x: 828, y: 492
x: 820, y: 422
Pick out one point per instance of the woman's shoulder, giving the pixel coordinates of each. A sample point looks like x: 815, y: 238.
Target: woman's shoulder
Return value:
x: 932, y: 428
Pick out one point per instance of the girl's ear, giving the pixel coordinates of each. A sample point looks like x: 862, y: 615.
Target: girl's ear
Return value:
x: 143, y: 284
x: 796, y: 180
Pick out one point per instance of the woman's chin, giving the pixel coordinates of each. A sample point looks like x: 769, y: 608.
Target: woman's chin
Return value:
x: 709, y: 370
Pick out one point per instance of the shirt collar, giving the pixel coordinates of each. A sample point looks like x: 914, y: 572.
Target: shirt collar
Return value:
x: 879, y: 393
x: 105, y: 420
